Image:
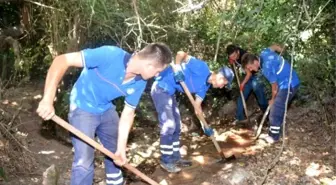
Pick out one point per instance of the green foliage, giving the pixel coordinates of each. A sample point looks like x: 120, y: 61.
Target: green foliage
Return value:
x: 8, y: 15
x: 73, y: 25
x: 3, y: 174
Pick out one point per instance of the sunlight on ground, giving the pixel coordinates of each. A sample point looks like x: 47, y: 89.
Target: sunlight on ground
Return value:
x: 34, y: 180
x: 133, y: 146
x: 199, y: 159
x: 328, y: 181
x: 222, y: 137
x: 164, y: 182
x: 39, y: 96
x: 141, y: 156
x: 187, y: 175
x: 56, y: 157
x: 315, y: 170
x: 6, y: 102
x: 194, y: 146
x: 196, y: 153
x: 295, y: 161
x: 21, y: 134
x: 46, y: 152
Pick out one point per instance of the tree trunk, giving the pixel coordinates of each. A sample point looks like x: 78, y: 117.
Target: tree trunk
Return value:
x: 4, y: 69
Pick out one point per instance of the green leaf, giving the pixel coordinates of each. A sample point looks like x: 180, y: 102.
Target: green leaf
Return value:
x: 2, y: 174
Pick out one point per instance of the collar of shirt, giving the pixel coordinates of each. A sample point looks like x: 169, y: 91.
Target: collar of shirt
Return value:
x: 127, y: 58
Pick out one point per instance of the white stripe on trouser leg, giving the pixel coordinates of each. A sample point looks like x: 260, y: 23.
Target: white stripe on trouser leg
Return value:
x: 275, y: 128
x: 274, y: 131
x: 166, y: 146
x: 113, y: 175
x: 166, y: 152
x: 115, y: 182
x: 114, y: 178
x: 176, y: 143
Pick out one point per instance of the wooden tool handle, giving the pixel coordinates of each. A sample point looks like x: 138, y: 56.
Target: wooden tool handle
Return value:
x: 99, y: 147
x: 200, y: 116
x: 241, y: 93
x: 262, y: 122
x: 192, y: 100
x: 219, y: 150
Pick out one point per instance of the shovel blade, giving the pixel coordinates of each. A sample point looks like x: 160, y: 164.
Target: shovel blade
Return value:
x: 225, y: 159
x: 245, y: 124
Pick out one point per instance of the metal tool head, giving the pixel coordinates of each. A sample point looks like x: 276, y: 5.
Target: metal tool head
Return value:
x: 224, y: 159
x: 245, y: 124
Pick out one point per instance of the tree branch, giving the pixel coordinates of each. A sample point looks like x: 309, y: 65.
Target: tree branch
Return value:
x: 191, y: 7
x: 306, y: 11
x: 222, y: 25
x: 42, y: 5
x: 139, y: 37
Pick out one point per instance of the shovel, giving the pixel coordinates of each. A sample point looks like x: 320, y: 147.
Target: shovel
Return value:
x: 205, y: 125
x: 203, y: 122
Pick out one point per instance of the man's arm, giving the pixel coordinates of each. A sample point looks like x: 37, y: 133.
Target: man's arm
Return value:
x: 178, y: 74
x: 246, y: 79
x: 274, y: 93
x: 198, y: 106
x: 55, y: 73
x: 125, y: 124
x: 207, y: 130
x: 180, y: 57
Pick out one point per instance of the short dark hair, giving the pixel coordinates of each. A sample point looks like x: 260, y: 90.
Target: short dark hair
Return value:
x: 158, y: 51
x: 231, y: 48
x: 248, y: 58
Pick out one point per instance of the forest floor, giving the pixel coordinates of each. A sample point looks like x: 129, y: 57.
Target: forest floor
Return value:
x: 308, y: 156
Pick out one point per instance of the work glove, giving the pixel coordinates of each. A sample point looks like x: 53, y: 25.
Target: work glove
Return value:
x: 208, y: 131
x: 178, y: 74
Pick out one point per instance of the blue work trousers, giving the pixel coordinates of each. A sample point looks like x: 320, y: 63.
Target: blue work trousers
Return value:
x: 170, y: 124
x: 105, y: 126
x: 255, y: 85
x: 277, y: 111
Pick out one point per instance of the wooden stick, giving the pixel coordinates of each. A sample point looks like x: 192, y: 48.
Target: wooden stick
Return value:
x: 99, y: 147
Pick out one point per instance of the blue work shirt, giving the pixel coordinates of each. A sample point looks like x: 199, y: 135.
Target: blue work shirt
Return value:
x: 196, y: 74
x: 101, y: 80
x: 276, y: 69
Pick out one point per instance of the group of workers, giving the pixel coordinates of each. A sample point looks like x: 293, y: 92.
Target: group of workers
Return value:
x: 109, y: 72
